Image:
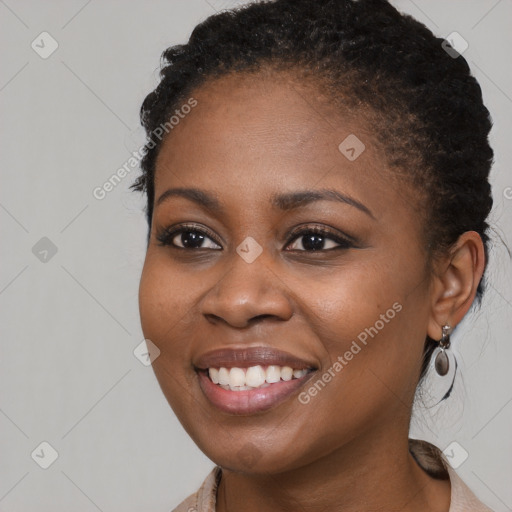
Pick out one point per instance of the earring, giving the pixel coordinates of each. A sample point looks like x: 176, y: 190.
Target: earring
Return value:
x: 439, y: 382
x: 442, y: 362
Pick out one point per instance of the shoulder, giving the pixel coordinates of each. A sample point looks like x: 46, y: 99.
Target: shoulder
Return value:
x: 463, y: 498
x: 434, y: 462
x: 203, y: 500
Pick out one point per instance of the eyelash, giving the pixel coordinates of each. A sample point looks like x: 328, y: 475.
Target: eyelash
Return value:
x: 166, y: 235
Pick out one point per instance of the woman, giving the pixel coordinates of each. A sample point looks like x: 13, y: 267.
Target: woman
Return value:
x: 317, y: 182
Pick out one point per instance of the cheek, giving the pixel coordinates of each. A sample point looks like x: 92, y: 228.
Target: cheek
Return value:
x: 166, y: 316
x: 371, y: 324
x: 165, y: 296
x: 167, y: 319
x: 349, y: 302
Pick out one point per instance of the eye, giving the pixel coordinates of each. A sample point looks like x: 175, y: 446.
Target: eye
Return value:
x: 309, y: 239
x: 189, y: 236
x: 314, y: 239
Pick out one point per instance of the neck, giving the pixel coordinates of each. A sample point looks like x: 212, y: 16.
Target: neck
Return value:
x: 374, y: 472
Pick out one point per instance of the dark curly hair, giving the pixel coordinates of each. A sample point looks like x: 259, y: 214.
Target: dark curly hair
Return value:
x: 425, y: 107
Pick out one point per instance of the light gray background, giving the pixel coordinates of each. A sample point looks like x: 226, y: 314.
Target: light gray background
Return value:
x: 68, y: 375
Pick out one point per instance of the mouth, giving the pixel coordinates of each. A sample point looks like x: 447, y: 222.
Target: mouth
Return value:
x: 250, y: 380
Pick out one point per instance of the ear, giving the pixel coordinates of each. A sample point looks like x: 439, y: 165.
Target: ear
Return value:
x: 456, y: 278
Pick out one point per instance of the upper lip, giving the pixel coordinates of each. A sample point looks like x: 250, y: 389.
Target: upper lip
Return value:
x: 249, y: 356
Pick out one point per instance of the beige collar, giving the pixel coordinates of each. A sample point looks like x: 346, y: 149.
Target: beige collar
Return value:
x: 462, y: 498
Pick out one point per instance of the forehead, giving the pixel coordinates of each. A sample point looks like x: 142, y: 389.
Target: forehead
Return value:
x: 258, y: 114
x: 258, y: 134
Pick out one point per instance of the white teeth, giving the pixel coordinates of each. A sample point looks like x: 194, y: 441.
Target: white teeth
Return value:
x: 244, y: 379
x: 223, y: 377
x: 214, y: 375
x: 236, y: 377
x: 286, y: 373
x: 255, y: 376
x: 273, y: 374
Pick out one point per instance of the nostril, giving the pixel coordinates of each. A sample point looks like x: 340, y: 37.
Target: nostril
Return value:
x: 213, y: 319
x: 260, y: 317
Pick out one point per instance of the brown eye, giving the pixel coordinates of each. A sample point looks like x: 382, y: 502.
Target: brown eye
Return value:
x: 187, y: 237
x: 314, y: 239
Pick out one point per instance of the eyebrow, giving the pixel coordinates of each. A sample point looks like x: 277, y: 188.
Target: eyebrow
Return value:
x: 284, y: 202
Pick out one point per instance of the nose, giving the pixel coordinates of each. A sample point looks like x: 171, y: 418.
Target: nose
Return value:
x: 247, y: 293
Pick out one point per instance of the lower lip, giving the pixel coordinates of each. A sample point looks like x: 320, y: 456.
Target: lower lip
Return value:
x: 249, y: 401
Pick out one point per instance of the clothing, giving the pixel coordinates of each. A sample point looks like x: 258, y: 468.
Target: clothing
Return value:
x: 462, y: 498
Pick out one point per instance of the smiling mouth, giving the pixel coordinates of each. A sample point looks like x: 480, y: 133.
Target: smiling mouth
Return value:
x: 253, y: 377
x: 247, y: 380
x: 239, y: 397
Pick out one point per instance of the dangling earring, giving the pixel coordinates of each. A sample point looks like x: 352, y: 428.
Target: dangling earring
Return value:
x: 442, y: 362
x: 439, y: 383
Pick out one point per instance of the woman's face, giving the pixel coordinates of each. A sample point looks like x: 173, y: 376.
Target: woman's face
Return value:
x: 351, y: 306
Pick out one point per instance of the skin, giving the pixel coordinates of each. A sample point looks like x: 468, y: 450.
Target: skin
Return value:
x: 347, y: 449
